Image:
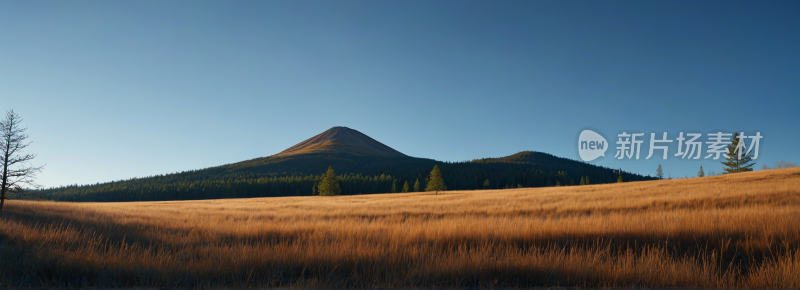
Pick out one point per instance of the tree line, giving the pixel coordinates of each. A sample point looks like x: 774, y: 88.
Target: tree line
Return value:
x: 486, y: 174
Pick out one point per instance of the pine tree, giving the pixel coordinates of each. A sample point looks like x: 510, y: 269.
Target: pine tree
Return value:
x: 583, y: 182
x: 314, y: 189
x: 701, y: 173
x: 394, y: 185
x: 330, y: 183
x: 405, y: 186
x: 619, y: 179
x: 416, y: 185
x: 486, y: 184
x: 587, y: 180
x: 558, y: 183
x: 659, y: 172
x: 436, y: 182
x: 733, y: 163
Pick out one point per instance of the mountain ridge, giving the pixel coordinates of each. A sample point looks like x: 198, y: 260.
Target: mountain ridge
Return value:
x: 362, y: 164
x: 341, y: 140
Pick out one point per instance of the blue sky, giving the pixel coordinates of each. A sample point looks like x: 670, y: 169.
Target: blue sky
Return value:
x: 118, y: 89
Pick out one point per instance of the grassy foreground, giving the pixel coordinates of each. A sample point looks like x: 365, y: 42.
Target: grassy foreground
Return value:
x: 741, y: 230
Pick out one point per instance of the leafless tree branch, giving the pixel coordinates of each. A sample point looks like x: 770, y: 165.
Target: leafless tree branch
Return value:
x: 17, y: 173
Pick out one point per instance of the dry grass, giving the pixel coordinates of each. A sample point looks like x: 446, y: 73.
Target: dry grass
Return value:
x: 741, y: 230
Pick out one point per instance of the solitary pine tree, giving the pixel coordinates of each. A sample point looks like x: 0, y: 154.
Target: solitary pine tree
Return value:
x: 416, y: 185
x: 701, y: 173
x: 435, y: 183
x: 659, y: 172
x: 486, y: 184
x: 329, y: 184
x: 405, y: 186
x: 587, y: 180
x: 583, y: 182
x: 619, y: 179
x: 733, y: 163
x: 394, y: 185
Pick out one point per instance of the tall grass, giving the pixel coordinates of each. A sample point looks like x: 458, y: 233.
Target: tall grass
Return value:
x: 740, y: 230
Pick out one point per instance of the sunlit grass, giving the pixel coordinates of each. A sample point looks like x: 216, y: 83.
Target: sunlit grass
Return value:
x: 740, y: 230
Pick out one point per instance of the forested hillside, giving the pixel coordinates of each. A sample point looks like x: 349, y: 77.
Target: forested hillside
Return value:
x: 358, y: 174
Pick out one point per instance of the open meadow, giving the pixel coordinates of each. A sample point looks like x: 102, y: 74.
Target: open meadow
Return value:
x: 740, y: 230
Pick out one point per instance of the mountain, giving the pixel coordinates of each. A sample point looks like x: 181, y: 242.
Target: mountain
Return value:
x: 363, y: 164
x: 341, y: 140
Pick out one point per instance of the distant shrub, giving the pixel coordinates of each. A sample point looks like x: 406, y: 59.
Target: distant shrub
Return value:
x: 779, y: 165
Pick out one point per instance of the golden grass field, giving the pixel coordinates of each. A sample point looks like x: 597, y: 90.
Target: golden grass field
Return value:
x: 733, y: 231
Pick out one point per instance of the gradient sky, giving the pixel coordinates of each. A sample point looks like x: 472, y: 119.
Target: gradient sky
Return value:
x: 111, y: 90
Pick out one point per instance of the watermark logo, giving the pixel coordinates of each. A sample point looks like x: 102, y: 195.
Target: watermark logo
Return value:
x: 591, y: 145
x: 717, y: 145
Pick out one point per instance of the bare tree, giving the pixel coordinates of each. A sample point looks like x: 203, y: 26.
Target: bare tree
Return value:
x: 780, y: 165
x: 16, y: 168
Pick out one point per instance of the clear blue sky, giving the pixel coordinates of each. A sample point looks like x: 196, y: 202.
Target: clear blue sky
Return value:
x: 118, y: 89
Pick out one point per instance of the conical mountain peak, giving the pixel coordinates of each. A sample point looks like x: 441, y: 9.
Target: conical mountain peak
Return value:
x: 341, y: 140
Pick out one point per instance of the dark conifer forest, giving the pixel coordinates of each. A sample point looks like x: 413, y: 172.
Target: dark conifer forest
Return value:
x: 296, y: 175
